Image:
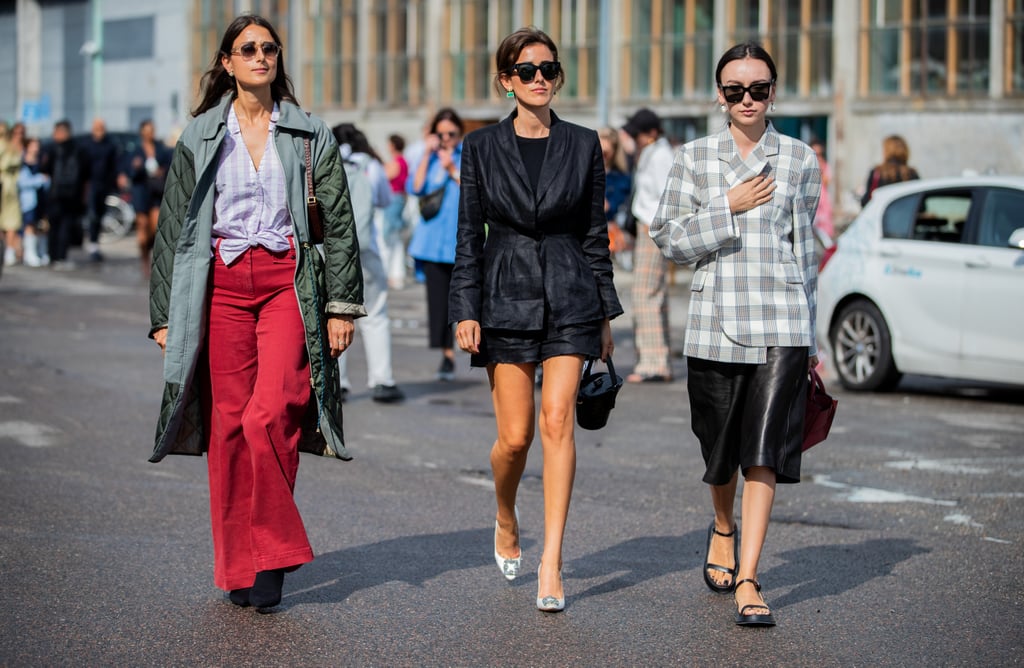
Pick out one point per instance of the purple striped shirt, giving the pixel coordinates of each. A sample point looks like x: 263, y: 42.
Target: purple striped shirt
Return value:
x: 250, y: 206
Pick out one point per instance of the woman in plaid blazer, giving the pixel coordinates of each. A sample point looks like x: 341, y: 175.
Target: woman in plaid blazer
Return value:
x: 740, y: 204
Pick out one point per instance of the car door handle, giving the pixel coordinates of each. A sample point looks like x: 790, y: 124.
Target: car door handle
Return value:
x: 889, y: 252
x: 978, y: 264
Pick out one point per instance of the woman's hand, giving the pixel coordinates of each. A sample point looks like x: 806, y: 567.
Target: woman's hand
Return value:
x: 750, y: 194
x: 607, y: 343
x: 340, y: 331
x: 160, y: 336
x: 812, y: 363
x: 467, y: 335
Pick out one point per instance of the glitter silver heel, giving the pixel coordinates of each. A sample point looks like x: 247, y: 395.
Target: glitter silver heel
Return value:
x: 549, y: 603
x: 508, y: 567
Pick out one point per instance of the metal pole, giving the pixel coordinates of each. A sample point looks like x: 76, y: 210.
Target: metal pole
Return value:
x: 604, y: 51
x: 97, y: 58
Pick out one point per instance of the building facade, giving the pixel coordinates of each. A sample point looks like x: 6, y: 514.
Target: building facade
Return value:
x: 948, y: 75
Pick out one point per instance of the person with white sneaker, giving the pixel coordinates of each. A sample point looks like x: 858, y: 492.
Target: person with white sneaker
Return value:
x: 32, y: 185
x: 370, y: 192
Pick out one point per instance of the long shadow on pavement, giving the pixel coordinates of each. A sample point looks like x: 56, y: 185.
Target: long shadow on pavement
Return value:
x: 828, y: 570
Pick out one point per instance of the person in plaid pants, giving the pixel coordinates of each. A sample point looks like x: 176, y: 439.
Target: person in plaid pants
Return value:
x: 650, y: 287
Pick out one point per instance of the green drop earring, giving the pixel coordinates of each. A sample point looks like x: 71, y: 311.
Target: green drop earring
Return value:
x: 510, y: 93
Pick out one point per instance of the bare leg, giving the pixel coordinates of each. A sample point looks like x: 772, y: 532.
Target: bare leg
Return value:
x: 142, y: 238
x: 512, y: 394
x: 557, y: 434
x: 723, y: 497
x: 758, y: 497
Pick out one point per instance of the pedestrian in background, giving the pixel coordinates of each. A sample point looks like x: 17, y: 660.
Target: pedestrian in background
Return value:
x: 145, y: 173
x: 392, y: 243
x: 249, y: 314
x: 894, y: 167
x: 68, y: 169
x: 32, y: 187
x: 650, y: 268
x: 370, y: 193
x: 103, y: 169
x: 740, y: 204
x: 823, y: 218
x: 618, y: 184
x: 12, y: 146
x: 433, y: 240
x: 533, y: 286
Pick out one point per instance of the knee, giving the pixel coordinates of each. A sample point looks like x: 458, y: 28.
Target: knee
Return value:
x: 556, y: 421
x: 513, y: 443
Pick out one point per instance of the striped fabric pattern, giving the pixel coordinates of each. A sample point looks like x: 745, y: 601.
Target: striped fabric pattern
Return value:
x: 755, y: 280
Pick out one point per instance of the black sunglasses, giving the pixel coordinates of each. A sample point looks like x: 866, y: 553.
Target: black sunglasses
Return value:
x: 759, y: 91
x: 549, y: 69
x: 248, y: 50
x: 447, y: 135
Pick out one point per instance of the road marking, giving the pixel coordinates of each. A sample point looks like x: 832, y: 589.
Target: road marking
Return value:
x: 8, y: 399
x: 964, y: 466
x: 963, y: 520
x: 29, y: 434
x: 872, y: 495
x: 997, y: 540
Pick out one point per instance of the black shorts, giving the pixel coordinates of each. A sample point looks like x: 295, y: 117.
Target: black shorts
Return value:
x: 748, y: 415
x: 504, y: 346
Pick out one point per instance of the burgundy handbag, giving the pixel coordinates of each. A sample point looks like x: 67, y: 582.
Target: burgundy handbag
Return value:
x: 821, y: 410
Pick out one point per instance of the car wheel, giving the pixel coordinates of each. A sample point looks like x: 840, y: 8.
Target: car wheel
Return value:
x: 862, y: 348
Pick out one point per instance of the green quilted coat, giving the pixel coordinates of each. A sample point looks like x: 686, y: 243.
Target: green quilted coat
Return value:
x: 327, y: 281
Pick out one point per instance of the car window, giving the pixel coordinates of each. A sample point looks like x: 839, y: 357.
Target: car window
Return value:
x: 942, y: 217
x: 898, y: 218
x: 1001, y: 216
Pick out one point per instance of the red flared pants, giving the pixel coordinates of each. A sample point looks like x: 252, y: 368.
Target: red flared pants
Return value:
x: 259, y: 383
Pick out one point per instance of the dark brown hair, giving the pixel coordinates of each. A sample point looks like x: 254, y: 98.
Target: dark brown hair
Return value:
x: 745, y: 50
x: 216, y: 83
x: 447, y: 114
x: 510, y: 48
x: 895, y: 159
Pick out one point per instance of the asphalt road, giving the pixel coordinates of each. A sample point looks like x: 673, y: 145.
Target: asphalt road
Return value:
x: 901, y: 547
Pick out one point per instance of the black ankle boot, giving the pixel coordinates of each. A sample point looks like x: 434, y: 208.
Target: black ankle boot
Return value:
x: 240, y: 597
x: 266, y: 591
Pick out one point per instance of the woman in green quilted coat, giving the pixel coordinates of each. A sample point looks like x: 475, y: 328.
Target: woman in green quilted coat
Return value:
x: 248, y: 311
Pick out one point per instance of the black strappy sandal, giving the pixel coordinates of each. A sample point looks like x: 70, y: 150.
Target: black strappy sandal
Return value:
x: 744, y: 619
x: 714, y: 586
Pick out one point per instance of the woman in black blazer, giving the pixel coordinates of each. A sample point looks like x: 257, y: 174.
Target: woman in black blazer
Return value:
x: 538, y: 291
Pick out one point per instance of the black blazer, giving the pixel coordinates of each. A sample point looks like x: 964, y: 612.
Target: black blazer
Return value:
x: 545, y: 252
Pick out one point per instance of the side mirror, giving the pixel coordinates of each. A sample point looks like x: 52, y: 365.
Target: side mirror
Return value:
x: 1016, y: 239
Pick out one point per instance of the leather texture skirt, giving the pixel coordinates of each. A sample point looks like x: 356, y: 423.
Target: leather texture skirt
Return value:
x: 748, y: 415
x: 504, y: 346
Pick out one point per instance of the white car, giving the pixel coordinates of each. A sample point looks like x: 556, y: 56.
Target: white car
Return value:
x: 929, y: 279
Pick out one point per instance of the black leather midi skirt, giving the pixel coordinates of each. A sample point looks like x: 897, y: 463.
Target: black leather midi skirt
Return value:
x: 748, y: 415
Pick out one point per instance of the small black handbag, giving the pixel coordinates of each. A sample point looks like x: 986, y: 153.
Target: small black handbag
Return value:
x: 596, y: 397
x: 430, y: 203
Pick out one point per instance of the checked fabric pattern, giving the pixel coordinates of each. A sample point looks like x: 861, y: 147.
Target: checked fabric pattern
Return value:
x: 755, y: 280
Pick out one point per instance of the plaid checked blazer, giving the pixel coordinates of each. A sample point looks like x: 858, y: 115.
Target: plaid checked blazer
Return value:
x: 756, y: 273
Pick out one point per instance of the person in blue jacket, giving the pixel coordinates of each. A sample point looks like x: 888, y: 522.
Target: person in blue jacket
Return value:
x: 433, y: 241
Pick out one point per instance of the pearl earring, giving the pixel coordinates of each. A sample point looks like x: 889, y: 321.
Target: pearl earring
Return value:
x: 722, y: 107
x: 509, y: 93
x: 771, y: 107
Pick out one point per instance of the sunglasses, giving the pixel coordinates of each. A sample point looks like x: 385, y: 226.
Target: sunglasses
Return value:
x: 447, y: 135
x: 248, y: 50
x: 759, y: 91
x: 549, y: 69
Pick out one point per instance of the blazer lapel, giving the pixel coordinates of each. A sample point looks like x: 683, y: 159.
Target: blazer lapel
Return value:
x: 507, y: 144
x: 555, y: 151
x: 740, y: 170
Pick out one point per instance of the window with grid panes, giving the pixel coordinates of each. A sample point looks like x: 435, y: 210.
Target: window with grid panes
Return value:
x: 468, y: 73
x: 669, y: 53
x: 330, y: 60
x: 1014, y: 49
x: 395, y: 35
x: 925, y: 48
